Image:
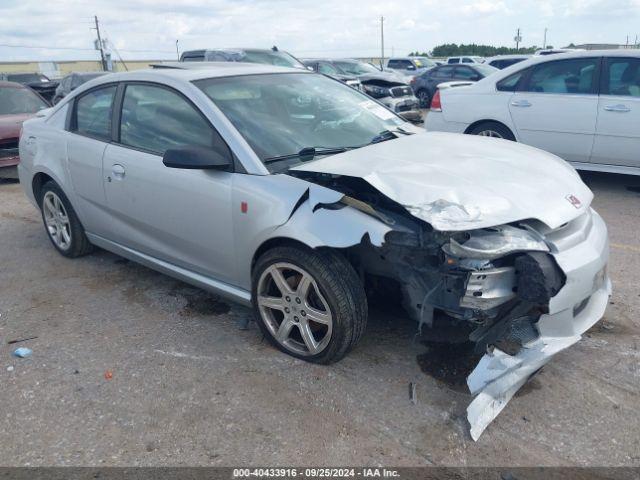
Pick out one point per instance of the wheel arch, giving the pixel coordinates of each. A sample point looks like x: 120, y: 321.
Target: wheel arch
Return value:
x: 489, y: 120
x: 38, y: 181
x: 273, y: 243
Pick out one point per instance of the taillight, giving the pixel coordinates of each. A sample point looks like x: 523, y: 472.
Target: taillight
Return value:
x: 436, y: 104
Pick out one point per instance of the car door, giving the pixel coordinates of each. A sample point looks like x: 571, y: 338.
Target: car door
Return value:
x: 90, y: 133
x: 556, y: 108
x: 617, y: 140
x: 179, y: 216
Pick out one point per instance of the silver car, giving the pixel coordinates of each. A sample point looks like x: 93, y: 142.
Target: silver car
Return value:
x: 296, y: 195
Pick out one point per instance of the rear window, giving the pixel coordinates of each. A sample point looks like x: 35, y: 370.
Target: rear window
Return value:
x: 93, y: 113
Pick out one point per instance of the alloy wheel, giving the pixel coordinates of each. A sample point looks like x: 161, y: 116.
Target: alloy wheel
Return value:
x: 56, y: 220
x: 489, y: 133
x: 293, y: 309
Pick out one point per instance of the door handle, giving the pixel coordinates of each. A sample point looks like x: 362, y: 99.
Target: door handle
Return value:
x: 117, y: 171
x: 617, y: 108
x: 520, y: 103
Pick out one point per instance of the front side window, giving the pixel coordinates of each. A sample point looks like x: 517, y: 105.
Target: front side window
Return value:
x: 622, y: 77
x: 93, y: 113
x: 282, y: 114
x: 574, y: 76
x: 156, y: 119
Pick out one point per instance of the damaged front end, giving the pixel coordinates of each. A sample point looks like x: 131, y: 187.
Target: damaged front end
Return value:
x: 521, y: 292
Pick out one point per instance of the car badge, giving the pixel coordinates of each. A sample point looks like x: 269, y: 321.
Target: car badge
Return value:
x: 573, y: 200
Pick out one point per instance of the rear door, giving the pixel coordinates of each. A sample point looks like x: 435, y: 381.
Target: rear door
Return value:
x: 556, y: 108
x: 90, y: 127
x: 617, y: 139
x: 180, y: 216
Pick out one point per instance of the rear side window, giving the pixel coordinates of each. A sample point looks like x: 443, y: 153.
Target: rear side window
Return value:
x: 156, y: 119
x: 465, y: 73
x: 93, y: 113
x: 453, y: 60
x: 467, y: 60
x: 510, y: 84
x: 443, y: 72
x: 622, y: 77
x: 574, y: 76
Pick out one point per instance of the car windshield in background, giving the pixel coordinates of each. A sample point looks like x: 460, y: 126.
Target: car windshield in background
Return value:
x: 356, y: 68
x: 27, y: 78
x: 486, y: 70
x: 423, y: 62
x: 282, y: 114
x: 15, y: 101
x: 280, y: 59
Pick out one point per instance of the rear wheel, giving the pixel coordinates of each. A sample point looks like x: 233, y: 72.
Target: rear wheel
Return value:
x: 308, y: 303
x: 493, y: 130
x: 61, y: 222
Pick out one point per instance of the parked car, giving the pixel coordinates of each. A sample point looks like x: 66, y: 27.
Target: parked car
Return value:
x: 17, y: 104
x: 271, y: 56
x: 389, y: 88
x: 326, y: 68
x: 553, y: 51
x: 425, y: 85
x: 299, y: 196
x: 581, y: 106
x: 410, y: 65
x: 504, y: 61
x: 465, y: 59
x: 72, y: 81
x: 38, y: 82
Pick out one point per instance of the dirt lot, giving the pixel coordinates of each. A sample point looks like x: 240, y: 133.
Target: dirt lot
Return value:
x: 189, y: 387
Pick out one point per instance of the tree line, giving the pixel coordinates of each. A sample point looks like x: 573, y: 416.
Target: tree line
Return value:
x: 453, y: 50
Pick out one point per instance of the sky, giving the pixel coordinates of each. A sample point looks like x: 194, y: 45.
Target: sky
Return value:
x: 148, y: 29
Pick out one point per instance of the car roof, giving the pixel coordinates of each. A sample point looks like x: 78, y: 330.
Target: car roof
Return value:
x: 189, y: 71
x: 4, y: 84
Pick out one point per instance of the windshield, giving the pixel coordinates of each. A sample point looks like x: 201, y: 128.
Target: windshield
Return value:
x: 486, y: 70
x: 280, y: 59
x: 281, y: 114
x: 424, y: 62
x: 356, y: 68
x: 27, y: 77
x: 19, y: 100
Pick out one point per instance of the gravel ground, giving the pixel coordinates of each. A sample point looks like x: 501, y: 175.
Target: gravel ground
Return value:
x: 131, y: 367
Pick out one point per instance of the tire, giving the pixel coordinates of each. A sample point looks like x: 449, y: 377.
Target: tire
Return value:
x: 334, y: 288
x: 424, y: 97
x: 64, y: 229
x: 493, y: 130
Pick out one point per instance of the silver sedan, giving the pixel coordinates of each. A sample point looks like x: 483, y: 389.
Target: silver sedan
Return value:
x: 301, y: 197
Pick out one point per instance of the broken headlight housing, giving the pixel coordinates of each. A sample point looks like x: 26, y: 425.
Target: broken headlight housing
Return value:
x: 495, y: 242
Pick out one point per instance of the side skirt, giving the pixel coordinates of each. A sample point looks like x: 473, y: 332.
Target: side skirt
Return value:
x: 230, y: 292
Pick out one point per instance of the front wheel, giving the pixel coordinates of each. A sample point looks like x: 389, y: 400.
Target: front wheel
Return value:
x: 493, y: 130
x: 309, y: 303
x: 424, y: 98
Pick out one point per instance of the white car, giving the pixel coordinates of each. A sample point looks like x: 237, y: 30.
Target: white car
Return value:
x: 582, y: 106
x: 465, y: 59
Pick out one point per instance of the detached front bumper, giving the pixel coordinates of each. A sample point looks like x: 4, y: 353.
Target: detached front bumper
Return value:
x: 582, y: 252
x: 408, y: 107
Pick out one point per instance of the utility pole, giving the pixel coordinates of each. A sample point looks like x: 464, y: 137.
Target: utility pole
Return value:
x: 382, y: 42
x: 518, y: 39
x: 177, y: 50
x: 544, y: 42
x: 104, y: 63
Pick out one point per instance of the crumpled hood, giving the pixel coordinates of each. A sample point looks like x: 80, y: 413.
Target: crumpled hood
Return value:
x: 461, y: 182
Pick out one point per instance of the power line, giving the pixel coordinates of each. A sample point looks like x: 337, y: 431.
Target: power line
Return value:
x: 79, y: 48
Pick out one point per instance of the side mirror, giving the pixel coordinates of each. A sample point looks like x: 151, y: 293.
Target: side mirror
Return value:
x: 309, y: 67
x: 197, y: 158
x: 411, y: 67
